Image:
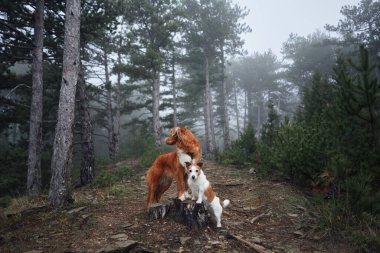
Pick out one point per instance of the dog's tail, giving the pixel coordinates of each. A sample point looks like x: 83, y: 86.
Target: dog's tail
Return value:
x: 224, y: 203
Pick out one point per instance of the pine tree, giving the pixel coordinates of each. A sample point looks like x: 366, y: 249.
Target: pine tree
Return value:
x: 59, y: 191
x: 36, y: 109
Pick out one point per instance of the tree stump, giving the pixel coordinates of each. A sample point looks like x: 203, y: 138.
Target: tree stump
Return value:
x: 158, y: 211
x: 190, y: 213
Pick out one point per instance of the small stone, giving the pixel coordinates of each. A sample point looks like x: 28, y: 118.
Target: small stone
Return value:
x: 76, y: 210
x: 119, y: 236
x: 127, y: 244
x: 183, y: 240
x: 298, y: 232
x: 257, y: 240
x: 127, y: 225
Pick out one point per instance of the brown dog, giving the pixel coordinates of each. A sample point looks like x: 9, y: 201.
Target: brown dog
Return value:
x: 172, y: 165
x: 185, y: 142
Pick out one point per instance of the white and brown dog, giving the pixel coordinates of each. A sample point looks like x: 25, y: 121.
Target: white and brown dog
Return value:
x: 201, y: 190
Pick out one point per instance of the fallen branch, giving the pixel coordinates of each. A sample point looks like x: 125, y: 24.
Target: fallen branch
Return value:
x: 258, y: 248
x: 260, y: 216
x: 230, y: 184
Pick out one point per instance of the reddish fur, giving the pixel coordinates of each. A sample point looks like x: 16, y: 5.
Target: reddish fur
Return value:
x: 210, y: 194
x: 166, y: 167
x: 185, y: 140
x: 160, y: 175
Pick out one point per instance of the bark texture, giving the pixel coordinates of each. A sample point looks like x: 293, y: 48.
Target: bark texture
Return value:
x: 110, y: 120
x: 87, y: 170
x: 36, y: 109
x: 174, y: 92
x: 59, y: 191
x: 237, y: 111
x: 156, y: 110
x: 225, y: 118
x: 207, y: 110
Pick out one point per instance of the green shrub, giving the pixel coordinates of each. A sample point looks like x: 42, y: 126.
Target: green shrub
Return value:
x: 105, y: 179
x: 242, y: 150
x: 125, y: 172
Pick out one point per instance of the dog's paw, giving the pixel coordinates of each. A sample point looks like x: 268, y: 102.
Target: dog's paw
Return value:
x: 199, y: 202
x: 193, y: 198
x: 182, y: 197
x: 187, y: 195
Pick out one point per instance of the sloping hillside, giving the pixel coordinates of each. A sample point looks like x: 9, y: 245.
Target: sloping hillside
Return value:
x: 269, y: 214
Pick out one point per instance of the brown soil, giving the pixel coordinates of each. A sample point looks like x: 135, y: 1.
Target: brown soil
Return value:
x: 120, y: 209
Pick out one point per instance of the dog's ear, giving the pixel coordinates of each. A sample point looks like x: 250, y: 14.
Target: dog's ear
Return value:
x: 187, y: 164
x: 200, y: 164
x: 178, y: 132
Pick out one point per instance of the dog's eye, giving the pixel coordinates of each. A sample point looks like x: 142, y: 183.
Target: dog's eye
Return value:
x: 196, y: 170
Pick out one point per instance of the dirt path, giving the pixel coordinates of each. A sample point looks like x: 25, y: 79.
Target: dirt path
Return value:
x: 117, y: 216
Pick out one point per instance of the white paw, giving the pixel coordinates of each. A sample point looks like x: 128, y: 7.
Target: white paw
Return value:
x: 219, y: 225
x: 193, y: 198
x: 187, y: 195
x: 199, y: 201
x: 182, y: 197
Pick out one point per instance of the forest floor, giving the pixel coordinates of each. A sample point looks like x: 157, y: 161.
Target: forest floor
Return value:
x: 105, y: 219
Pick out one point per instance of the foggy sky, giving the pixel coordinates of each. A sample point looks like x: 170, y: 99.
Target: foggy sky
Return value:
x: 273, y: 20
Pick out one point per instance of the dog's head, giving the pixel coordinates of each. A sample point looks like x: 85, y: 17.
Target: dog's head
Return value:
x: 194, y: 170
x: 174, y: 135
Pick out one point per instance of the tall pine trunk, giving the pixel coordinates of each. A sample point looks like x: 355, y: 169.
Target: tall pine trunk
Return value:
x: 250, y: 108
x: 118, y: 104
x: 36, y: 109
x: 236, y: 110
x: 156, y: 110
x: 207, y: 110
x: 174, y: 93
x: 59, y: 191
x: 87, y: 169
x: 110, y: 122
x: 225, y: 118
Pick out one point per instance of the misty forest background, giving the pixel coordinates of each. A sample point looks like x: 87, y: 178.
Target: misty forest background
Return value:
x: 311, y: 118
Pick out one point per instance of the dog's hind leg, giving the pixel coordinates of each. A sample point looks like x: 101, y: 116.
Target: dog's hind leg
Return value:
x: 151, y: 191
x: 160, y: 191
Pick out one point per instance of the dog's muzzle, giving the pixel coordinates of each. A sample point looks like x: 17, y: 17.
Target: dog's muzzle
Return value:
x: 193, y: 177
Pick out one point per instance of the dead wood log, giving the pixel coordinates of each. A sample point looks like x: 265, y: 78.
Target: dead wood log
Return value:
x: 158, y: 211
x: 258, y: 248
x: 260, y: 216
x: 190, y: 213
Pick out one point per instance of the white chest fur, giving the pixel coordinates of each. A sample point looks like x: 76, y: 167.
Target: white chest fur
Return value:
x: 183, y: 157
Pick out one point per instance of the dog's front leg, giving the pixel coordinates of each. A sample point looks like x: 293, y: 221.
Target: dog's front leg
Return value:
x: 180, y: 186
x: 200, y: 196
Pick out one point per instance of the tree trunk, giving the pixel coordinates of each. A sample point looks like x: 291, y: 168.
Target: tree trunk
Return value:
x: 236, y: 110
x: 258, y: 117
x: 87, y: 172
x: 59, y: 191
x: 174, y: 92
x: 245, y: 110
x: 36, y: 108
x: 156, y: 110
x: 225, y: 118
x: 207, y: 103
x: 118, y: 104
x: 250, y: 108
x: 110, y: 123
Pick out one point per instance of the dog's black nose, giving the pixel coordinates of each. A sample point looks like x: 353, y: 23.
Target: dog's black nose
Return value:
x: 193, y: 177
